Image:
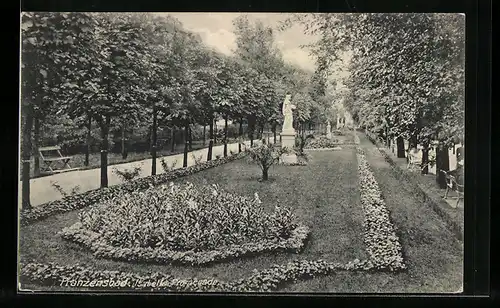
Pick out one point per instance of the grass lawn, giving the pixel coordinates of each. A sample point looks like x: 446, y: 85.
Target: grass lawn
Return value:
x: 324, y: 196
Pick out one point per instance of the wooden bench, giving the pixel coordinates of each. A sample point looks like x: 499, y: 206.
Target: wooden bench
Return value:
x: 452, y: 184
x: 50, y: 156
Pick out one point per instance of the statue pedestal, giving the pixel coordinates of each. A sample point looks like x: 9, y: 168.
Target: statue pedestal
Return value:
x: 288, y: 141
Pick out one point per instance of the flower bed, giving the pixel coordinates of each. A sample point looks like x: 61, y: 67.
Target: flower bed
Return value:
x: 321, y: 142
x: 85, y: 199
x: 382, y: 243
x: 259, y: 281
x: 185, y: 224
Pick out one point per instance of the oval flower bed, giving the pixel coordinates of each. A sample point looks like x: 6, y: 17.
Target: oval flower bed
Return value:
x: 185, y: 224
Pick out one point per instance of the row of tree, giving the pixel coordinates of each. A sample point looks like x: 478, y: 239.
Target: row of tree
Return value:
x: 406, y: 75
x: 126, y: 69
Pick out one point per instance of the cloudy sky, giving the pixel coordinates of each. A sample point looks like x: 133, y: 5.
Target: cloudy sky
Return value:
x: 216, y: 29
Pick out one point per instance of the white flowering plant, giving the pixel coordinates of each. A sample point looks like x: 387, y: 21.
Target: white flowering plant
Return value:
x: 382, y: 243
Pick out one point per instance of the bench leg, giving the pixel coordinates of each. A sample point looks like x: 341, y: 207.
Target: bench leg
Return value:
x: 48, y: 166
x: 66, y: 164
x: 446, y: 192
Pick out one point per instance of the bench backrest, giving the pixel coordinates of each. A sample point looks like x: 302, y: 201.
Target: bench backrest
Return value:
x: 51, y: 148
x: 51, y: 151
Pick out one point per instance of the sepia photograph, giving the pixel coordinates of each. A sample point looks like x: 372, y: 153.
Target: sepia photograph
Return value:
x: 241, y: 153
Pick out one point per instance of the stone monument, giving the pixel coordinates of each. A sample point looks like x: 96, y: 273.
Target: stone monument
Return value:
x: 288, y: 132
x: 328, y: 130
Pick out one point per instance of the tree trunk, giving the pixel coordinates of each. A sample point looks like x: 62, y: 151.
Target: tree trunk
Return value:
x: 265, y: 175
x: 251, y: 137
x: 413, y: 142
x: 124, y: 148
x: 425, y: 159
x: 211, y: 141
x: 172, y: 144
x: 204, y: 133
x: 104, y: 151
x: 225, y: 136
x: 251, y: 129
x: 36, y: 144
x: 240, y: 134
x: 215, y: 134
x: 190, y: 135
x: 154, y: 141
x: 274, y: 132
x: 26, y: 158
x: 400, y: 144
x: 186, y: 145
x: 442, y: 163
x: 89, y: 135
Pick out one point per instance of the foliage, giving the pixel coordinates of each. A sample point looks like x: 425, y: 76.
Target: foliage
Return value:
x: 75, y: 190
x: 382, y: 244
x: 265, y: 156
x: 408, y: 75
x: 186, y: 218
x: 128, y: 174
x: 166, y: 167
x: 301, y: 141
x: 197, y: 159
x: 321, y: 142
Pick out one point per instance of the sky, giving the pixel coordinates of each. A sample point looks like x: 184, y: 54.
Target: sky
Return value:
x: 216, y: 30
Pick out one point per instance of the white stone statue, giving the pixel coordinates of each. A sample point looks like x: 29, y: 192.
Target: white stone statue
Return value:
x: 328, y: 130
x: 288, y: 113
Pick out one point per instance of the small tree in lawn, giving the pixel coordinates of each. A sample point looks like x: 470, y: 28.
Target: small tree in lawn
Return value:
x: 265, y: 156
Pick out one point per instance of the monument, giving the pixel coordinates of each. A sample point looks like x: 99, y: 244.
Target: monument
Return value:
x: 328, y: 130
x: 288, y: 132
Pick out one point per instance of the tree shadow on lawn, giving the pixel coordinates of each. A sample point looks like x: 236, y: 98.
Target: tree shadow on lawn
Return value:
x: 323, y: 195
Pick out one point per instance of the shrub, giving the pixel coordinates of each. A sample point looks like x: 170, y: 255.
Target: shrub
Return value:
x: 300, y: 143
x: 166, y: 167
x: 127, y: 174
x: 185, y: 217
x: 75, y: 190
x: 197, y: 159
x: 265, y: 156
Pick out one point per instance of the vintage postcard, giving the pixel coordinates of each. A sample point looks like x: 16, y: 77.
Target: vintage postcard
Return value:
x: 241, y: 152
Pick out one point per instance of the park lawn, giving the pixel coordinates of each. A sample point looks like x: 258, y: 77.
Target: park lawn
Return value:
x: 324, y: 195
